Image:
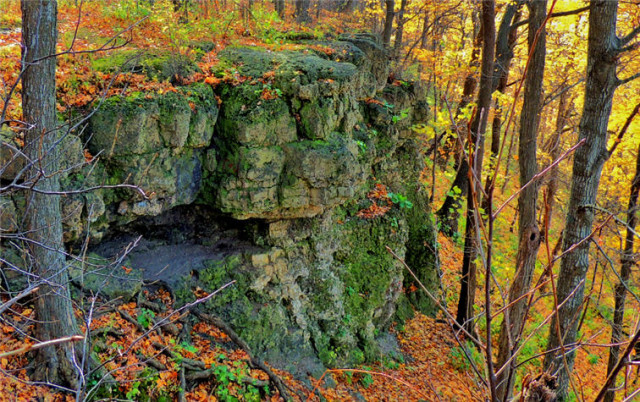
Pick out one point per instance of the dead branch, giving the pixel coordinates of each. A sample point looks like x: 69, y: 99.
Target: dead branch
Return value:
x: 257, y: 363
x: 25, y: 349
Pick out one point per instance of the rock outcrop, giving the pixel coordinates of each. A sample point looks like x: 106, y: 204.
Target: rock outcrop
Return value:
x: 262, y: 181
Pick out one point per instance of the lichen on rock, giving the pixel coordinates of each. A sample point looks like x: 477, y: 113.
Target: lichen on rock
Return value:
x: 265, y: 191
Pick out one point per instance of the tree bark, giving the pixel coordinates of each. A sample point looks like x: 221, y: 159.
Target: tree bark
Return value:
x: 43, y: 222
x: 425, y: 30
x: 347, y: 6
x: 505, y: 42
x: 302, y: 11
x: 478, y: 126
x: 279, y: 7
x: 626, y: 263
x: 388, y: 23
x: 603, y: 49
x: 554, y: 150
x: 528, y: 233
x: 397, y: 47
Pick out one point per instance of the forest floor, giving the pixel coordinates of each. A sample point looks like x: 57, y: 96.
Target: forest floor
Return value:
x: 434, y: 366
x: 432, y: 369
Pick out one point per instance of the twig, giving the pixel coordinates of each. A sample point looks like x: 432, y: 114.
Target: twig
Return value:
x: 132, y: 320
x: 621, y: 363
x: 366, y: 372
x: 539, y: 175
x: 25, y: 349
x: 21, y: 295
x: 183, y: 384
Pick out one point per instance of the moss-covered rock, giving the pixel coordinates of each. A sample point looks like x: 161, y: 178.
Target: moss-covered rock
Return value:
x: 159, y: 65
x: 13, y: 266
x: 174, y: 119
x: 204, y: 116
x: 252, y: 121
x: 286, y: 160
x: 375, y: 64
x: 173, y: 179
x: 157, y: 143
x: 422, y: 243
x: 249, y: 183
x: 319, y: 118
x: 99, y: 276
x: 8, y: 218
x: 125, y: 126
x: 12, y: 161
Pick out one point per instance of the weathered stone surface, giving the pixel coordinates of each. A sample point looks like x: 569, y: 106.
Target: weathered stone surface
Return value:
x: 99, y: 276
x: 173, y: 179
x: 125, y: 126
x: 8, y: 218
x: 12, y: 161
x: 322, y: 169
x: 249, y: 185
x: 265, y: 191
x: 174, y: 119
x: 71, y: 154
x: 157, y: 143
x: 319, y: 118
x: 72, y: 208
x: 205, y: 114
x: 12, y: 268
x: 375, y: 64
x: 252, y: 121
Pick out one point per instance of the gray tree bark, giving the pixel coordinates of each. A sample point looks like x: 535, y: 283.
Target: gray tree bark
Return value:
x: 388, y: 23
x: 302, y: 11
x: 553, y: 147
x: 603, y: 49
x: 43, y: 223
x: 505, y: 42
x: 528, y: 233
x: 279, y: 7
x: 397, y: 47
x: 626, y: 263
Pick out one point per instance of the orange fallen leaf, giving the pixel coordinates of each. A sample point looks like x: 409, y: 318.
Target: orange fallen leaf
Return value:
x: 87, y: 156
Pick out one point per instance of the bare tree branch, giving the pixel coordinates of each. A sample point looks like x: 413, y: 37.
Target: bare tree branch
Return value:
x: 25, y: 349
x: 628, y: 79
x: 630, y: 36
x: 624, y: 129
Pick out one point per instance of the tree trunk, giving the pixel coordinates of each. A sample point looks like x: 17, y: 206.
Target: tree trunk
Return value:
x: 478, y: 127
x: 627, y: 262
x: 603, y: 48
x: 43, y: 222
x: 425, y: 30
x: 347, y: 6
x: 302, y: 11
x: 388, y: 23
x: 554, y: 150
x: 279, y: 7
x: 397, y: 47
x: 528, y: 233
x: 505, y: 42
x: 448, y: 213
